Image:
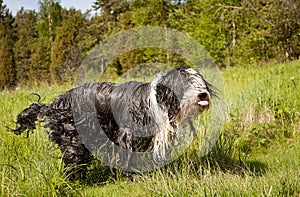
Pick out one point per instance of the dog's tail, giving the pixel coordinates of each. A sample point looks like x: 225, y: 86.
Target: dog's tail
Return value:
x: 26, y: 120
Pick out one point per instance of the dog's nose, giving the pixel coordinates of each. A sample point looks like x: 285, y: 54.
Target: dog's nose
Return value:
x: 203, y: 96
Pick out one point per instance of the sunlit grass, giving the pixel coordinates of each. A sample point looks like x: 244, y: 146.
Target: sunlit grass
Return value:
x: 258, y: 153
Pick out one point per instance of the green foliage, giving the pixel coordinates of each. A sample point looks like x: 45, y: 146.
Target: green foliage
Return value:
x: 270, y: 31
x: 150, y: 12
x: 7, y: 63
x: 234, y: 32
x: 113, y: 18
x: 40, y: 61
x: 67, y: 54
x: 49, y: 18
x: 25, y: 22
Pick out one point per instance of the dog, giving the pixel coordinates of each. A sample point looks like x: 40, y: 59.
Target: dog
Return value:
x: 135, y: 116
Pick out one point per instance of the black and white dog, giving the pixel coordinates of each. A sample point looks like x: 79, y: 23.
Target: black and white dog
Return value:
x: 135, y: 116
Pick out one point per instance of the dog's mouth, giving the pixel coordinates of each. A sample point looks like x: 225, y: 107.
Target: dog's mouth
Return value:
x: 204, y: 100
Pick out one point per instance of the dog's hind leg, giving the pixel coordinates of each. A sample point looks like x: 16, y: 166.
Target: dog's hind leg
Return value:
x: 76, y: 156
x: 61, y: 130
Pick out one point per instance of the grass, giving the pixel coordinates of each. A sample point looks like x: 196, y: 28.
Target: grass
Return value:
x: 258, y: 153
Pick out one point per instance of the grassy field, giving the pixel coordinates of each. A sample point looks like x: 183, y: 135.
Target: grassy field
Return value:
x: 258, y: 153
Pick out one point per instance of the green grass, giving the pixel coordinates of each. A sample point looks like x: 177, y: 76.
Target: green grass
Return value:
x: 258, y: 153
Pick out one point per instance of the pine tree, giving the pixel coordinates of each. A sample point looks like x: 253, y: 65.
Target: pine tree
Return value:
x: 49, y: 18
x: 7, y: 64
x: 40, y: 61
x: 67, y: 53
x: 27, y: 34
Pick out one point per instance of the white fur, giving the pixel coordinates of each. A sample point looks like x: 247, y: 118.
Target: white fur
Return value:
x: 163, y: 128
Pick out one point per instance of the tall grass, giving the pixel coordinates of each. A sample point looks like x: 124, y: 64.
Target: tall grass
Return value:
x: 257, y: 154
x: 264, y: 104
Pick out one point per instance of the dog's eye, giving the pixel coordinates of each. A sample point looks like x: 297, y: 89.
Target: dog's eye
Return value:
x: 203, y: 96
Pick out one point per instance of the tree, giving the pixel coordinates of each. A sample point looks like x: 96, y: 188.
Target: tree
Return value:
x: 151, y: 12
x: 49, y: 19
x: 7, y: 63
x: 115, y: 16
x: 40, y: 61
x: 67, y: 53
x: 283, y: 18
x: 113, y: 13
x: 25, y: 22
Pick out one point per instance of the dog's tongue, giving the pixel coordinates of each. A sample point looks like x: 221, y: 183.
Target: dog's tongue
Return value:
x: 203, y: 103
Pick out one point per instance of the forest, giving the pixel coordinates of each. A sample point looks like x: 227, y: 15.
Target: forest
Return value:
x: 48, y: 45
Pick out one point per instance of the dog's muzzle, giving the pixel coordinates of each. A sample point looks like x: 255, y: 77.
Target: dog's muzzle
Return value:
x: 204, y: 99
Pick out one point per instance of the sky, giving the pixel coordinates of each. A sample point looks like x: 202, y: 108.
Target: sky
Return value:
x: 15, y: 5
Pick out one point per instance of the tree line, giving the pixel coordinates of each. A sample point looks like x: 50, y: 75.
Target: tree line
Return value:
x: 49, y: 45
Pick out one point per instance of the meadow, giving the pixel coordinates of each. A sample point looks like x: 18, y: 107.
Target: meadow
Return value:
x: 257, y: 154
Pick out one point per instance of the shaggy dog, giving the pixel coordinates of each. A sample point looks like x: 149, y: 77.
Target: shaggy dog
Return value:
x: 135, y: 116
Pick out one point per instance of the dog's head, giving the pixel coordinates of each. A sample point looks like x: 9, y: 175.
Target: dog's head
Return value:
x: 180, y: 94
x: 185, y: 93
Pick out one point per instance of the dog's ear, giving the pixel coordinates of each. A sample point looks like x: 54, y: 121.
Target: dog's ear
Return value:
x: 168, y: 99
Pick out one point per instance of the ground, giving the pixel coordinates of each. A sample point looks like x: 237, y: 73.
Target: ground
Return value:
x: 258, y: 153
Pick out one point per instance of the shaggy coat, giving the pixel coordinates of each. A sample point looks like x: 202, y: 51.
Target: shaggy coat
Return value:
x: 135, y: 116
